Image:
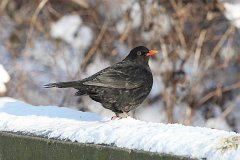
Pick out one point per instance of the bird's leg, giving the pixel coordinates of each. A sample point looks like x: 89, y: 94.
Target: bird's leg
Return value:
x: 126, y: 114
x: 123, y: 115
x: 117, y: 117
x: 120, y: 116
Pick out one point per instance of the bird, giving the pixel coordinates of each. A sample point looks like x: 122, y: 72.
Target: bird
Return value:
x: 121, y: 87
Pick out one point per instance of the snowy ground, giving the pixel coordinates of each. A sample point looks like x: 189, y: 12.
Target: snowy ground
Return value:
x: 67, y: 124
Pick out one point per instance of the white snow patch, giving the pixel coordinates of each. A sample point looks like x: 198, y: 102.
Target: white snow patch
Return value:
x: 83, y: 37
x: 114, y: 10
x: 232, y: 12
x: 65, y: 27
x: 70, y: 29
x: 156, y: 22
x: 135, y: 15
x: 63, y: 123
x: 3, y: 88
x: 121, y: 26
x: 4, y: 78
x: 161, y: 25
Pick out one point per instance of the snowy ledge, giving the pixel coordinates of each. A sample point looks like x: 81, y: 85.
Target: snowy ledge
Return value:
x: 65, y: 125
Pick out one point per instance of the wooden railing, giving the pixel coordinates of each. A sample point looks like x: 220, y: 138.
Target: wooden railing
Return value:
x: 16, y: 146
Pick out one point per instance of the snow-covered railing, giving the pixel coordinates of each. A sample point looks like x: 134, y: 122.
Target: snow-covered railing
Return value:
x: 48, y: 131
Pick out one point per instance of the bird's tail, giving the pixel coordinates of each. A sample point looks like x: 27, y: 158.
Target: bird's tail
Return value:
x: 72, y: 84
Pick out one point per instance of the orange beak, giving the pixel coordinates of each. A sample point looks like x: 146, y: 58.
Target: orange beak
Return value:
x: 151, y: 52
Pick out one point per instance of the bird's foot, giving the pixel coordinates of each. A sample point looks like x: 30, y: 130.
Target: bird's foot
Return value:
x: 120, y: 116
x: 124, y: 115
x: 116, y: 118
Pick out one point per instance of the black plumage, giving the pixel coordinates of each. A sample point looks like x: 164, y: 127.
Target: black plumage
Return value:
x: 121, y: 87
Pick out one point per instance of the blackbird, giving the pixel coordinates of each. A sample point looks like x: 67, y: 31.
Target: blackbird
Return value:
x: 121, y: 87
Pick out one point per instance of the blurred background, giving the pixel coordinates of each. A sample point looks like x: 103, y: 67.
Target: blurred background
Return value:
x: 196, y: 75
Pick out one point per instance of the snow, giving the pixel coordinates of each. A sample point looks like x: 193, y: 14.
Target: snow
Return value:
x: 70, y: 29
x: 232, y: 12
x: 4, y: 78
x: 121, y: 26
x: 67, y: 124
x: 3, y: 88
x: 65, y: 27
x: 135, y: 15
x: 156, y: 22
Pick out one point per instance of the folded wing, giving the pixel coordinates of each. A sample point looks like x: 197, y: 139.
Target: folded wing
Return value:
x: 116, y: 77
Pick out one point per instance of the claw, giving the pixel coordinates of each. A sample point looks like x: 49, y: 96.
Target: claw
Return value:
x: 116, y: 118
x: 126, y: 114
x: 120, y: 116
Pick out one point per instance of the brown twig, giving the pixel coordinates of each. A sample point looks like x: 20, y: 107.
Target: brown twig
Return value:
x: 82, y: 3
x: 180, y: 34
x: 228, y: 110
x: 199, y: 49
x: 33, y: 22
x: 126, y: 32
x: 3, y: 5
x: 216, y: 93
x: 177, y: 27
x: 164, y: 52
x: 93, y: 49
x: 218, y: 46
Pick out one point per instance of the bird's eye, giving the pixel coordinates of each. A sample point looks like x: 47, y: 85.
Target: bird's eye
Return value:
x: 139, y: 53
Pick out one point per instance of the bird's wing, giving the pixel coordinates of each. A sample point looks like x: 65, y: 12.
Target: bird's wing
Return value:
x: 122, y: 77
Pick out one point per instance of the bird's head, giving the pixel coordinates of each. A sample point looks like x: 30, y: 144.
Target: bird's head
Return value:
x: 140, y: 54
